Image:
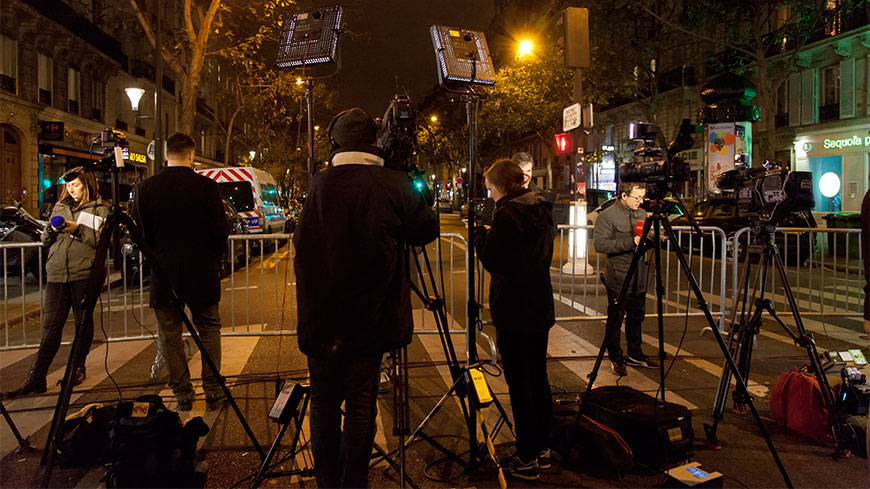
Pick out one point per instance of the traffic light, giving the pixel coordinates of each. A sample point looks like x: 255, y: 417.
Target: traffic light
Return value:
x: 563, y: 143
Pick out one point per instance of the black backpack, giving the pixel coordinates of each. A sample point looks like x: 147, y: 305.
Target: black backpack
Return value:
x: 84, y: 439
x: 150, y: 448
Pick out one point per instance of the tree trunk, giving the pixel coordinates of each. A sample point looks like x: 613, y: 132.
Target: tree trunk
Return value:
x: 230, y: 135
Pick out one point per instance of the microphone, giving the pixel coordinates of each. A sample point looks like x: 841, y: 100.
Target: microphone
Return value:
x: 57, y: 222
x: 638, y: 229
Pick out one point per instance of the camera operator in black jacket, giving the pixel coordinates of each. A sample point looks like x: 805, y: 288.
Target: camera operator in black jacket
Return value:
x: 353, y: 290
x: 517, y: 251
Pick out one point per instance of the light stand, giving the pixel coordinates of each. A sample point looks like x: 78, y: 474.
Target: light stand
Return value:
x: 311, y: 38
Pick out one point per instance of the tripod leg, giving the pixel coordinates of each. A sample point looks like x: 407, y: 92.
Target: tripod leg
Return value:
x: 23, y: 443
x: 95, y: 284
x: 138, y: 238
x: 660, y: 292
x: 844, y: 437
x: 741, y: 384
x: 611, y: 326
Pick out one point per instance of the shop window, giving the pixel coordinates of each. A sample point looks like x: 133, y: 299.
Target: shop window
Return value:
x: 45, y: 78
x: 8, y: 63
x: 73, y: 88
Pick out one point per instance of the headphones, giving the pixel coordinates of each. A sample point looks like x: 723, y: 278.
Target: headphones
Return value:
x: 332, y: 143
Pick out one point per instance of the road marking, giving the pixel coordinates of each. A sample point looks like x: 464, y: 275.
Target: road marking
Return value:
x: 709, y: 367
x: 244, y: 287
x: 35, y: 411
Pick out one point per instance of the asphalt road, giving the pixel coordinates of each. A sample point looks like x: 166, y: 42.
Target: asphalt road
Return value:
x: 258, y: 312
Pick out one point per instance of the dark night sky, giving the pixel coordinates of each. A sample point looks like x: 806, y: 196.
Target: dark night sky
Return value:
x: 390, y: 38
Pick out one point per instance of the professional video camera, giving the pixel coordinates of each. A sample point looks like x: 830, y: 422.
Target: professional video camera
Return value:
x: 769, y: 193
x: 398, y: 140
x: 658, y: 168
x: 113, y: 142
x: 399, y: 134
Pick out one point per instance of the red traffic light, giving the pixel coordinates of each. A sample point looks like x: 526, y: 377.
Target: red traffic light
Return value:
x: 563, y: 143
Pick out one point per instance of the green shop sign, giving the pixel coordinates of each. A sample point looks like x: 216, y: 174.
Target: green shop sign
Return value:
x: 846, y: 143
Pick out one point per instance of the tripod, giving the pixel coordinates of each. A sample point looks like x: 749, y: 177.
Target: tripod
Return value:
x: 744, y: 332
x: 296, y: 418
x: 116, y: 217
x: 657, y: 221
x: 23, y: 443
x: 435, y: 304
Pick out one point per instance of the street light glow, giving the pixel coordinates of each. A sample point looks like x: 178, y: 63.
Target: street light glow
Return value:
x: 434, y: 118
x: 134, y: 94
x: 316, y: 128
x: 525, y: 48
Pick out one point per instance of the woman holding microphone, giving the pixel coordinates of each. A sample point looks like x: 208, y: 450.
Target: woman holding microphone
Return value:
x: 71, y: 235
x: 517, y: 251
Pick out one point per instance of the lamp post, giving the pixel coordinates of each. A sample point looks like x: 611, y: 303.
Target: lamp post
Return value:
x: 135, y: 95
x: 525, y: 47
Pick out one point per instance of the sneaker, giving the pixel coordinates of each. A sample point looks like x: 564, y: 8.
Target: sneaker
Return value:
x: 385, y: 385
x: 641, y: 361
x: 544, y: 459
x: 79, y: 376
x: 618, y: 367
x: 515, y: 467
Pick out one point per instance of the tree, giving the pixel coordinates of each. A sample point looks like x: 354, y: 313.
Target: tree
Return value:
x: 185, y: 52
x: 748, y: 34
x: 528, y: 98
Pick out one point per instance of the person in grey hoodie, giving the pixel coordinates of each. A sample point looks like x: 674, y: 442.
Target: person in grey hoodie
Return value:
x: 72, y: 247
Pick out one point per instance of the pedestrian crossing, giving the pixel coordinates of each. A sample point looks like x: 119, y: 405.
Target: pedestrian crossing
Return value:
x: 572, y: 351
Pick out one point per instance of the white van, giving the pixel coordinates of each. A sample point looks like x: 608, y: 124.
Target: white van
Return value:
x: 254, y: 195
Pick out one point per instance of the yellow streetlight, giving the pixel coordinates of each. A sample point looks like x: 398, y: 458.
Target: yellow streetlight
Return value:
x: 434, y: 118
x: 525, y: 48
x: 316, y: 128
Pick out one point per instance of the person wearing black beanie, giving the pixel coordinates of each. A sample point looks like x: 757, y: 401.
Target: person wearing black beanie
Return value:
x: 353, y: 290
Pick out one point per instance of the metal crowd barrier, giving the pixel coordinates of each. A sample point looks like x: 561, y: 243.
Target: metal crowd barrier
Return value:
x: 824, y: 268
x: 585, y: 296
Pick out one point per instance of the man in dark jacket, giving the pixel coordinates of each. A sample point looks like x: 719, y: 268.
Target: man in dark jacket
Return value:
x: 353, y: 290
x: 865, y: 252
x: 615, y: 236
x: 183, y: 220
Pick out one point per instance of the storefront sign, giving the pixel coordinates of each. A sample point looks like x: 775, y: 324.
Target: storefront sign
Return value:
x: 848, y: 142
x: 51, y: 131
x: 133, y: 157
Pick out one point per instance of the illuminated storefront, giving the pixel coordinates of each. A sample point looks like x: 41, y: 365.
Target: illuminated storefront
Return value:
x: 844, y: 152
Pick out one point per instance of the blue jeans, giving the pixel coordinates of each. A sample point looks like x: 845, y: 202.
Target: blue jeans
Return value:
x: 59, y: 298
x: 342, y: 454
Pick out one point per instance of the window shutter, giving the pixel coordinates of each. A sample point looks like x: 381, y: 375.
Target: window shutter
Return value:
x: 794, y: 100
x: 847, y: 88
x: 809, y: 97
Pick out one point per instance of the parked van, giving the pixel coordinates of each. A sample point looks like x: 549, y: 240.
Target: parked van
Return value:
x: 254, y: 195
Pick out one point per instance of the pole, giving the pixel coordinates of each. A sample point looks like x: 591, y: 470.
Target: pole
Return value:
x: 158, y: 95
x: 309, y: 100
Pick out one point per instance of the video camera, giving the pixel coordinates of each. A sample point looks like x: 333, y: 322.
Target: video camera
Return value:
x: 656, y: 167
x: 398, y: 137
x: 398, y: 140
x: 112, y: 141
x: 769, y: 193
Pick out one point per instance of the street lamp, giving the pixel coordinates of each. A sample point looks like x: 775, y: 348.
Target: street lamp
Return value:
x: 525, y: 48
x: 434, y: 118
x: 135, y: 95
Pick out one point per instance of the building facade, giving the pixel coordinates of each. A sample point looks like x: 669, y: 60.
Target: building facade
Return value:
x: 64, y: 67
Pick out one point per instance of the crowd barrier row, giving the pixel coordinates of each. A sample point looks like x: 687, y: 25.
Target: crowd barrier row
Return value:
x: 824, y: 267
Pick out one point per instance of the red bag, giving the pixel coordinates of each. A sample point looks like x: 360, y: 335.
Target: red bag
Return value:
x: 797, y: 403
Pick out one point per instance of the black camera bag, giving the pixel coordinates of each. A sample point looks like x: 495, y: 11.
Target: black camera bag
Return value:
x: 588, y: 446
x: 659, y: 434
x: 153, y: 450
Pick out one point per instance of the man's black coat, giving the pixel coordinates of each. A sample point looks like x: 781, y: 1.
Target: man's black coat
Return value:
x: 183, y: 220
x: 352, y: 282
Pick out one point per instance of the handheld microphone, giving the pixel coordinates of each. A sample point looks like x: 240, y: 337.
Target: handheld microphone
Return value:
x: 638, y: 229
x: 57, y: 222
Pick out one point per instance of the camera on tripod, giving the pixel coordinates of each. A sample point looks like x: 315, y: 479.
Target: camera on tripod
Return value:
x: 769, y: 193
x: 399, y: 134
x: 113, y: 142
x: 654, y: 166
